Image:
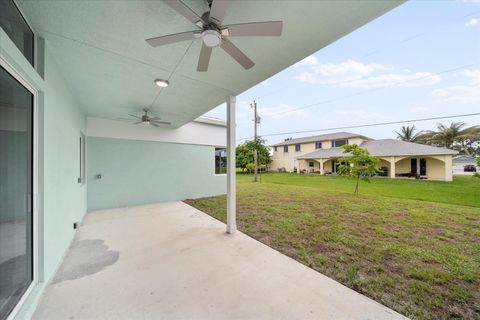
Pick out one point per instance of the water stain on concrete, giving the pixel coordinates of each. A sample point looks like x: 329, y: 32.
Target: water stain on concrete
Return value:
x: 84, y: 258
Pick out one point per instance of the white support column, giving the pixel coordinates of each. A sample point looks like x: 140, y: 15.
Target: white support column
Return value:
x: 392, y: 167
x: 321, y: 166
x: 231, y: 167
x: 418, y: 166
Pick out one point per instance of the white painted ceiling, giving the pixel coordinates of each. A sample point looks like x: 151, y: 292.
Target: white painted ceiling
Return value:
x: 100, y: 47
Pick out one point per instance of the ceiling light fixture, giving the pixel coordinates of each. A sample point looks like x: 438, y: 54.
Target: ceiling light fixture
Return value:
x: 162, y: 83
x: 211, y: 38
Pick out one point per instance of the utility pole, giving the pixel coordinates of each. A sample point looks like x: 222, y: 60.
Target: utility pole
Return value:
x: 256, y: 121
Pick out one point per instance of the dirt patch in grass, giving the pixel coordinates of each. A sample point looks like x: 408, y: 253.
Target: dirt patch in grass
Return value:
x: 419, y: 258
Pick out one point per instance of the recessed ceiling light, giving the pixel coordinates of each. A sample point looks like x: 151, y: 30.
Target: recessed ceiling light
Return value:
x: 162, y: 83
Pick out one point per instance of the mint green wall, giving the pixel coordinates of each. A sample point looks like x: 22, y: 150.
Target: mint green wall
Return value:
x: 139, y: 172
x: 65, y: 198
x: 61, y: 200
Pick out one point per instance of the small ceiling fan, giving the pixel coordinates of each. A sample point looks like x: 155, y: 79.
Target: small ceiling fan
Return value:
x: 214, y: 34
x: 146, y: 119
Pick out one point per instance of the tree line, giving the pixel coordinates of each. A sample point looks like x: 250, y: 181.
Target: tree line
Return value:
x: 456, y: 136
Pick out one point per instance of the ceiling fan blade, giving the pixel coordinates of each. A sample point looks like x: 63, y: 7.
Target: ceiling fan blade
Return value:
x: 204, y: 58
x: 172, y: 38
x: 236, y: 54
x: 218, y: 10
x: 160, y: 122
x: 138, y: 122
x: 185, y: 11
x: 155, y: 118
x: 269, y: 28
x: 132, y: 115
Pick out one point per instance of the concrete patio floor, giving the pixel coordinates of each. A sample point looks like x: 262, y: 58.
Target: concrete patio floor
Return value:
x: 172, y: 261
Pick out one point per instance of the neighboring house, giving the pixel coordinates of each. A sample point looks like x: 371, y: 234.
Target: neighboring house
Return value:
x: 460, y: 162
x: 320, y: 154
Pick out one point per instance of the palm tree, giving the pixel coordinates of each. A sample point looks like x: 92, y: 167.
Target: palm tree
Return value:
x: 407, y: 133
x: 453, y: 136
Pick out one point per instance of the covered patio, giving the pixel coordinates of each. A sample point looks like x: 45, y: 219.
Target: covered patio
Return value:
x: 87, y: 78
x: 172, y: 261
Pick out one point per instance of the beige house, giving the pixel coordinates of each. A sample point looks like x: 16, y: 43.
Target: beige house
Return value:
x: 320, y: 154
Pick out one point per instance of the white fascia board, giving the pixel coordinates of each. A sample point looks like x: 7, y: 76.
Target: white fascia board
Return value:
x: 195, y: 132
x: 212, y: 121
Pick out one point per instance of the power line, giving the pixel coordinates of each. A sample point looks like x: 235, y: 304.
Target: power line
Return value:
x: 375, y: 89
x: 376, y: 51
x: 368, y: 125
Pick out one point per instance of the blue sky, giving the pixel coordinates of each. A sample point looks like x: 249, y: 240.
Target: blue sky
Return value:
x: 420, y: 60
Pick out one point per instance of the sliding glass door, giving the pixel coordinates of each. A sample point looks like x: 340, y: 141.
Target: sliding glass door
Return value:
x: 16, y: 189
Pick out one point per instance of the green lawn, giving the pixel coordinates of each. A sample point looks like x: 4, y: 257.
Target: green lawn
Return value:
x: 420, y: 258
x: 464, y: 190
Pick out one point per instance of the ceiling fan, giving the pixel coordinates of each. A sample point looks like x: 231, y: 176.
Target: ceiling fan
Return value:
x: 146, y: 119
x: 214, y: 34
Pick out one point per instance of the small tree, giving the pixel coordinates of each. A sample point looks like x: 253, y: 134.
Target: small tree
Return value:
x: 244, y: 153
x: 360, y: 164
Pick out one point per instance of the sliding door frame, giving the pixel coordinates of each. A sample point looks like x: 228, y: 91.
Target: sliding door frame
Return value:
x: 34, y: 197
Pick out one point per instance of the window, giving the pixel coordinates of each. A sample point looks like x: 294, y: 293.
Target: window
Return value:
x: 297, y: 147
x: 311, y: 164
x: 285, y: 148
x: 81, y: 148
x: 275, y: 148
x: 17, y: 29
x: 220, y: 160
x: 16, y: 189
x: 339, y: 143
x: 318, y: 145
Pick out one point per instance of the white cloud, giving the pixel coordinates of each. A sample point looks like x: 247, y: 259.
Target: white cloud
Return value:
x: 472, y: 22
x: 308, y: 61
x: 416, y: 79
x: 469, y: 93
x: 474, y: 76
x: 460, y: 94
x: 331, y: 73
x: 283, y: 111
x: 354, y: 74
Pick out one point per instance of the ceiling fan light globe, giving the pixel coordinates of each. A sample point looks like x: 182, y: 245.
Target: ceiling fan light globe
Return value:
x: 211, y: 38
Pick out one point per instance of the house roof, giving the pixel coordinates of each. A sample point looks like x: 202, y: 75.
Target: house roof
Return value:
x: 384, y: 147
x: 101, y: 50
x: 465, y: 159
x: 322, y: 137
